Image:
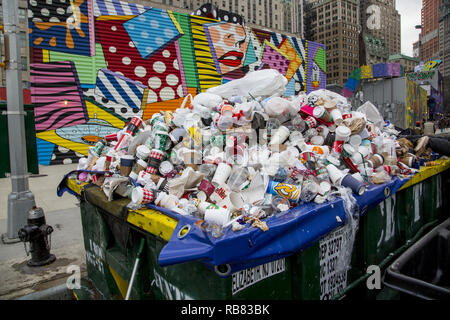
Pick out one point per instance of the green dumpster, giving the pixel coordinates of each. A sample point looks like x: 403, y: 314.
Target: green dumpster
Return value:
x: 30, y: 136
x: 384, y: 232
x: 112, y: 235
x: 111, y: 239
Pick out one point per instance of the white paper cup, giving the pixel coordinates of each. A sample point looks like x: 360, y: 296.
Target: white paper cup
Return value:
x: 355, y: 140
x: 217, y: 216
x: 342, y: 133
x: 335, y: 174
x: 337, y: 116
x: 221, y: 175
x: 280, y: 135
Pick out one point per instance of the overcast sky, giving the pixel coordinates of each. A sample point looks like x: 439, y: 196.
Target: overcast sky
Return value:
x: 410, y: 17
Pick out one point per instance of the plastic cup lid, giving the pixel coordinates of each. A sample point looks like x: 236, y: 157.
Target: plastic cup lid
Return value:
x: 165, y: 167
x: 137, y: 195
x: 343, y: 131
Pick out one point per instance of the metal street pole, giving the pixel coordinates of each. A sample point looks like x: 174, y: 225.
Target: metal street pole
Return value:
x: 21, y: 199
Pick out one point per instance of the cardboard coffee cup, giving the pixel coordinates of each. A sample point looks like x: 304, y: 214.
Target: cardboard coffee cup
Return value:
x: 376, y: 161
x: 126, y: 165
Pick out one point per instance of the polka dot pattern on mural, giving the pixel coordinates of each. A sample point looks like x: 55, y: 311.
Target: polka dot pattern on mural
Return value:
x: 142, y: 29
x: 161, y: 72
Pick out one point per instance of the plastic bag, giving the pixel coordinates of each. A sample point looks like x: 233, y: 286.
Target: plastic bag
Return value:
x: 277, y: 106
x: 372, y: 114
x: 266, y: 83
x: 206, y: 99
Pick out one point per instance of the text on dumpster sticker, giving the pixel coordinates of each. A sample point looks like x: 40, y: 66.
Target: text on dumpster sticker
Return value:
x: 332, y: 280
x: 95, y: 256
x: 245, y: 278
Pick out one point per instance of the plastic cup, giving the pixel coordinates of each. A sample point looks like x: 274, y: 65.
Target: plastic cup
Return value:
x: 280, y: 135
x: 221, y: 175
x: 238, y: 179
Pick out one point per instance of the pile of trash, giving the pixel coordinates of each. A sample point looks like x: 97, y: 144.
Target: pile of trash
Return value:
x: 241, y: 152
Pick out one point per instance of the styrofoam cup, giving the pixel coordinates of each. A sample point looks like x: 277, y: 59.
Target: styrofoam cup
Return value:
x: 335, y: 174
x: 221, y: 175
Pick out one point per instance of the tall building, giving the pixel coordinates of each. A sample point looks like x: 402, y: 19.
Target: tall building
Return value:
x: 416, y: 49
x: 408, y: 63
x: 336, y: 23
x: 444, y: 38
x: 430, y: 29
x: 23, y: 38
x: 381, y: 30
x: 284, y: 16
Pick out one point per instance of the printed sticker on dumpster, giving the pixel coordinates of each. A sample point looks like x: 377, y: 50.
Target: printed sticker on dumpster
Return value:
x: 332, y: 280
x: 248, y: 277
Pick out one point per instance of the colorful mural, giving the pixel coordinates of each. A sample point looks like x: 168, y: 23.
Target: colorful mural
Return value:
x: 96, y: 63
x: 416, y: 103
x: 375, y: 71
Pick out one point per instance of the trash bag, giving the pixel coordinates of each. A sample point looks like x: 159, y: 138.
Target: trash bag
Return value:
x: 372, y: 114
x: 266, y: 82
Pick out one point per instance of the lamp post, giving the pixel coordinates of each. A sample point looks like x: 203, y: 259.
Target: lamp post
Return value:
x: 21, y: 199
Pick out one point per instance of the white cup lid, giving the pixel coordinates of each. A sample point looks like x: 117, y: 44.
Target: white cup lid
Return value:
x: 343, y: 131
x: 137, y: 195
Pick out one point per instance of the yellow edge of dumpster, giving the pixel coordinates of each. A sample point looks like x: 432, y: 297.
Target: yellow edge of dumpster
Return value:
x: 149, y: 220
x: 153, y: 221
x: 120, y: 282
x: 427, y: 172
x: 73, y: 185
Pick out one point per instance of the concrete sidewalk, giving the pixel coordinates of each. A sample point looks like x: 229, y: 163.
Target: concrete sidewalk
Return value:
x: 63, y: 214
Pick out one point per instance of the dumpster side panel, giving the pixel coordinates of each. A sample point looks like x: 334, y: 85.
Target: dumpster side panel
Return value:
x: 96, y: 239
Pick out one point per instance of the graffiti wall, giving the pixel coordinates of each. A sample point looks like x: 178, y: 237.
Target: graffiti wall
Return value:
x: 96, y: 63
x: 416, y: 103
